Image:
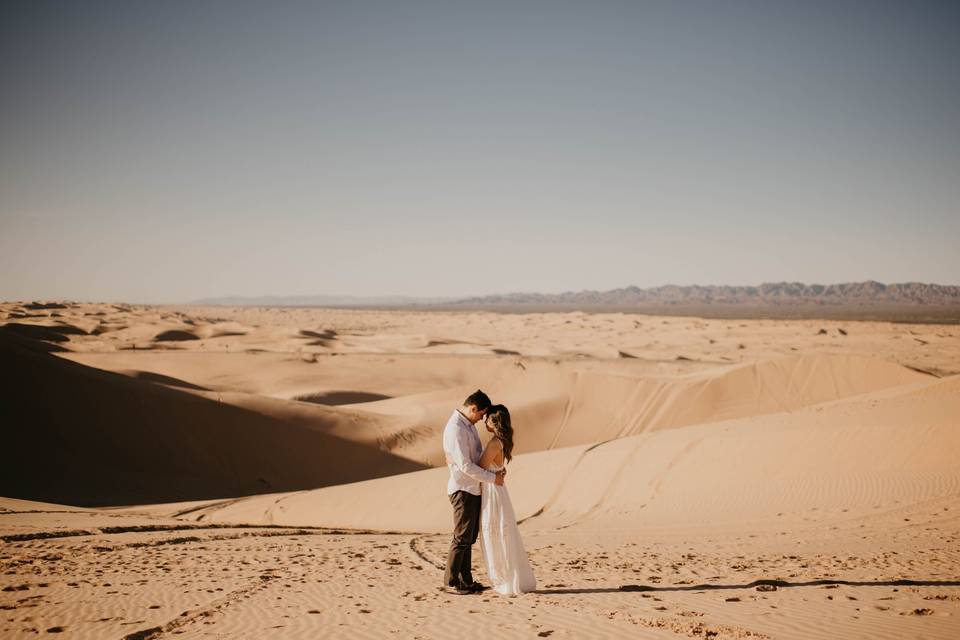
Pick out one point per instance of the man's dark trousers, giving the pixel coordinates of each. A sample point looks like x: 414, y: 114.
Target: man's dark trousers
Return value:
x: 466, y: 528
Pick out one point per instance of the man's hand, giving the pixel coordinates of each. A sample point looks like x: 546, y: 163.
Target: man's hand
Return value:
x: 500, y: 476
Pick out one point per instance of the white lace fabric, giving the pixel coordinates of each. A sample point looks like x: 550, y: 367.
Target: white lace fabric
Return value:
x: 507, y: 562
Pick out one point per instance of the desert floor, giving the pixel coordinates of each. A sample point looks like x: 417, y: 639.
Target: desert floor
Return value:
x: 264, y: 472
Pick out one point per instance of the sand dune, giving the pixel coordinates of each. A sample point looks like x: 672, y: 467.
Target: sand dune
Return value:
x: 98, y: 438
x: 864, y: 456
x: 556, y: 407
x: 676, y: 477
x: 558, y: 403
x: 664, y: 344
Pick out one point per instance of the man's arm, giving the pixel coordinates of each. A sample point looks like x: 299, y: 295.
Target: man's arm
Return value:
x: 461, y: 459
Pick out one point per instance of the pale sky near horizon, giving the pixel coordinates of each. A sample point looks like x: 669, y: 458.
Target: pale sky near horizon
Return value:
x: 168, y: 151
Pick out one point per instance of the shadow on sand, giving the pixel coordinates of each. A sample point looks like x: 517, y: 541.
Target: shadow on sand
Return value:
x: 778, y: 584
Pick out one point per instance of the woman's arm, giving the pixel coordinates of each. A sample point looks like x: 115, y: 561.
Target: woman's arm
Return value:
x: 491, y: 453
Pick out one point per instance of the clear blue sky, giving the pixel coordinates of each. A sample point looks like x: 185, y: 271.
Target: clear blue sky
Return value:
x: 166, y: 151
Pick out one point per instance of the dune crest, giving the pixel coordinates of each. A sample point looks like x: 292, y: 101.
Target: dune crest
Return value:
x: 554, y: 407
x: 856, y: 458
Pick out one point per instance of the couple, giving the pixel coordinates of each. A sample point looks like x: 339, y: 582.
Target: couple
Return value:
x: 481, y: 504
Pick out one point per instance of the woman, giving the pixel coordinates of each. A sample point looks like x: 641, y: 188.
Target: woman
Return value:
x: 507, y: 563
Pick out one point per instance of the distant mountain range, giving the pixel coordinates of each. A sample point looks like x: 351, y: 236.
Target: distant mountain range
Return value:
x: 774, y: 294
x: 767, y: 294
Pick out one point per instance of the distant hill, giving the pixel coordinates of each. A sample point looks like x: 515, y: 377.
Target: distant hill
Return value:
x: 774, y: 294
x: 870, y: 300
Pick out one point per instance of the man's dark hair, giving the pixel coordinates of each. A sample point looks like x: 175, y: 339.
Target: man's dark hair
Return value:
x: 478, y: 399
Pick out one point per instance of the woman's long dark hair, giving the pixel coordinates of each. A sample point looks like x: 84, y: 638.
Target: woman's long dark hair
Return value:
x: 499, y: 418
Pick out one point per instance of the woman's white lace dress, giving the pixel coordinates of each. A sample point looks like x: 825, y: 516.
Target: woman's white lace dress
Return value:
x: 507, y: 563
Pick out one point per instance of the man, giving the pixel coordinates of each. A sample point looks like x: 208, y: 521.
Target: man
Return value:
x: 461, y: 444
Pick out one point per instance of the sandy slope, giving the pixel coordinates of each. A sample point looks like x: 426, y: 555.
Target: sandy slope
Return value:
x: 554, y: 406
x: 94, y: 437
x: 820, y: 463
x: 852, y: 458
x: 561, y: 402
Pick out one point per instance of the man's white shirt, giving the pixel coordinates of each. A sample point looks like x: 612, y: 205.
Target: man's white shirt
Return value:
x: 461, y: 444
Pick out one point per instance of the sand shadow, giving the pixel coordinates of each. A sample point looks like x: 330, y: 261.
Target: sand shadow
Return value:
x: 227, y: 334
x: 33, y: 306
x: 175, y: 335
x: 335, y: 398
x: 326, y: 334
x: 113, y: 440
x: 38, y: 332
x: 34, y: 337
x: 776, y: 584
x: 159, y: 378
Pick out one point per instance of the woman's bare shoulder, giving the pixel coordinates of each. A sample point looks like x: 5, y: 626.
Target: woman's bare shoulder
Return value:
x: 495, y: 443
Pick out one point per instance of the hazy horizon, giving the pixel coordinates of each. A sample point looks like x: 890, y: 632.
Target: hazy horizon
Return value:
x: 181, y: 151
x: 322, y: 299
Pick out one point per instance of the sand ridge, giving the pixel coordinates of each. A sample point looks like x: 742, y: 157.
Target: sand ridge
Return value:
x: 674, y: 477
